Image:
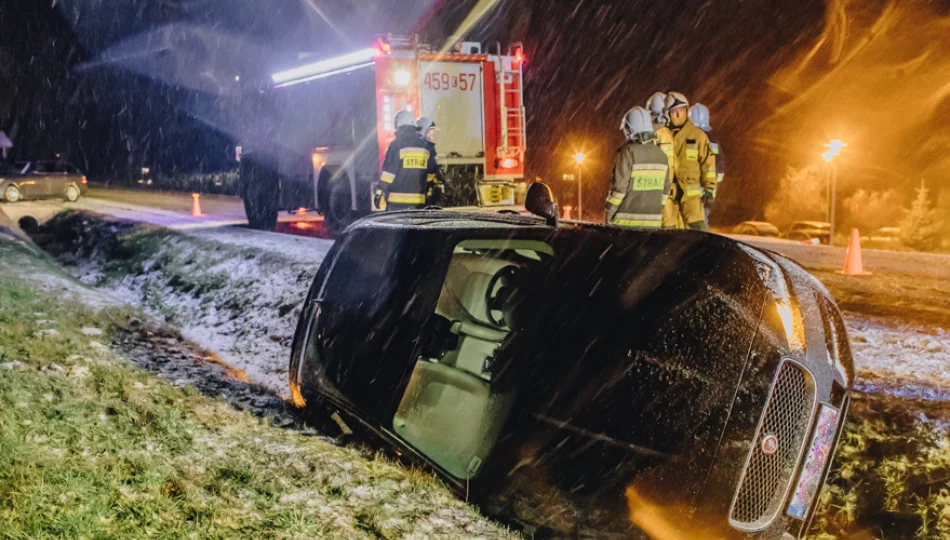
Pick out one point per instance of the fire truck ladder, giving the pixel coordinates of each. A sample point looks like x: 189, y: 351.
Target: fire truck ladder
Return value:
x: 511, y: 106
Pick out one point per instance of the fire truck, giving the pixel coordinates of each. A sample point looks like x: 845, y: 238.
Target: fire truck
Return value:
x: 330, y: 122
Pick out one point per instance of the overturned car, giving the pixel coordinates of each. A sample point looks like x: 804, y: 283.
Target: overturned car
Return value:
x: 575, y: 379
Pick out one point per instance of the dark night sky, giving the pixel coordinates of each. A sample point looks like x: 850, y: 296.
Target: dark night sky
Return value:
x: 118, y: 84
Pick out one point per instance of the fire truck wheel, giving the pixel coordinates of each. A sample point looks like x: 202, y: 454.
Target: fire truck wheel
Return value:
x: 261, y: 194
x: 340, y: 208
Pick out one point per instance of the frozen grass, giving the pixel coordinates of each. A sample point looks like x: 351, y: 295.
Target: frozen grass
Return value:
x: 239, y: 301
x: 892, y: 473
x: 91, y: 447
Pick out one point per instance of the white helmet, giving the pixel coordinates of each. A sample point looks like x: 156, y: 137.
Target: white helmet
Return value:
x: 657, y: 106
x: 699, y: 114
x: 404, y: 118
x: 675, y: 100
x: 424, y: 124
x: 637, y: 123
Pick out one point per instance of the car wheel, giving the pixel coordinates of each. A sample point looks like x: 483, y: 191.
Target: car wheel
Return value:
x: 261, y: 194
x: 72, y: 193
x: 11, y: 194
x: 339, y: 212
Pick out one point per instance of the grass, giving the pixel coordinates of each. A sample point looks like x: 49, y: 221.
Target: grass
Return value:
x: 91, y: 447
x: 890, y: 295
x: 891, y: 477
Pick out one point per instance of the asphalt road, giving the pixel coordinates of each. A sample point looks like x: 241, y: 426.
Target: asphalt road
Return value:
x: 173, y: 210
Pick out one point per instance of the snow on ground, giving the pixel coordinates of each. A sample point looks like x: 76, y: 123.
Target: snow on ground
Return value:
x: 231, y: 290
x: 905, y: 359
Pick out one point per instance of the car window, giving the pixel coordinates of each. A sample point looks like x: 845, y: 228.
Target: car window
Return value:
x: 450, y: 411
x: 51, y: 167
x: 375, y: 300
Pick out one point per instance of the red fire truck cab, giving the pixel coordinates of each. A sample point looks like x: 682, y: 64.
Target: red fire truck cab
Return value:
x: 332, y: 120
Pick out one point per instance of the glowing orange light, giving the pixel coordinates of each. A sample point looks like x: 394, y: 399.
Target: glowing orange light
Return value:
x: 509, y: 163
x: 579, y: 158
x: 84, y: 181
x: 303, y: 225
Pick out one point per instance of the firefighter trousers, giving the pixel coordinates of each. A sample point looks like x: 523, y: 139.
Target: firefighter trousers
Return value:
x: 685, y: 207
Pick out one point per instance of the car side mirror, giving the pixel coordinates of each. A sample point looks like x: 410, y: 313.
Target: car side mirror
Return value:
x: 540, y: 202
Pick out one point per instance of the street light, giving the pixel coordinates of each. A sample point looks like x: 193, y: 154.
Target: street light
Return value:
x: 579, y: 158
x: 834, y: 148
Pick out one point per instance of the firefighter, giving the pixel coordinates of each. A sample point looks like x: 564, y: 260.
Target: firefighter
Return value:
x: 699, y: 115
x: 664, y: 139
x: 694, y: 172
x: 435, y: 180
x: 641, y: 175
x: 405, y: 168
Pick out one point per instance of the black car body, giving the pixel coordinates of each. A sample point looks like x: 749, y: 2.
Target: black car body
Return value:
x: 41, y: 180
x: 584, y: 380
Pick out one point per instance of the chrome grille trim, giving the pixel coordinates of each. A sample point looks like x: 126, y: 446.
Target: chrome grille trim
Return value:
x: 767, y: 478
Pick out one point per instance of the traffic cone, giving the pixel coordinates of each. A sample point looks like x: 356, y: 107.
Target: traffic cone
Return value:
x: 567, y: 212
x: 196, y: 205
x: 852, y: 258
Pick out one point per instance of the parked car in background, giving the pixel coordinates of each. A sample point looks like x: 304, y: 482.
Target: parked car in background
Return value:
x: 582, y: 380
x: 884, y: 234
x: 756, y: 228
x: 41, y: 180
x: 808, y: 230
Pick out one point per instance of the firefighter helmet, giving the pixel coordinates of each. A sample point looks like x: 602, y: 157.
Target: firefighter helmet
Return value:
x: 404, y: 118
x: 657, y: 107
x: 425, y: 124
x: 637, y: 124
x: 675, y: 100
x: 699, y: 114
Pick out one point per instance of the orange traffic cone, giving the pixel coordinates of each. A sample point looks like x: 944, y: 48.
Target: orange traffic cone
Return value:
x: 852, y: 258
x: 196, y: 205
x: 567, y: 212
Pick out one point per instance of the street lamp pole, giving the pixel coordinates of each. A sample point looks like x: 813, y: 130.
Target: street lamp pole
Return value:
x: 579, y: 158
x: 834, y: 148
x: 834, y: 186
x: 580, y: 194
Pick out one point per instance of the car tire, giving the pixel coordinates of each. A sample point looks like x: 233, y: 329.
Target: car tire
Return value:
x: 11, y: 194
x: 260, y: 190
x: 339, y: 212
x: 72, y: 193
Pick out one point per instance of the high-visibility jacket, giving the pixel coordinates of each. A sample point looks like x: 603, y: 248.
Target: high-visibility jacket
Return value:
x: 640, y: 186
x: 695, y: 167
x: 716, y: 149
x: 406, y: 170
x: 664, y: 139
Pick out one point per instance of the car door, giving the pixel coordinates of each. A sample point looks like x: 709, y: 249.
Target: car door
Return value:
x: 28, y: 181
x: 53, y: 179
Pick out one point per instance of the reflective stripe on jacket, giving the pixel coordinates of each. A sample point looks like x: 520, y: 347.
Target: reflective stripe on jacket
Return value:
x: 406, y: 168
x: 641, y: 183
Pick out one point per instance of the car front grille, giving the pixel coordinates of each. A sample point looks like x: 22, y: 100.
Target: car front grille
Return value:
x: 777, y: 450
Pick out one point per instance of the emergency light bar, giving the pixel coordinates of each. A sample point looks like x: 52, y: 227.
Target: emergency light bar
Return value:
x: 339, y: 64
